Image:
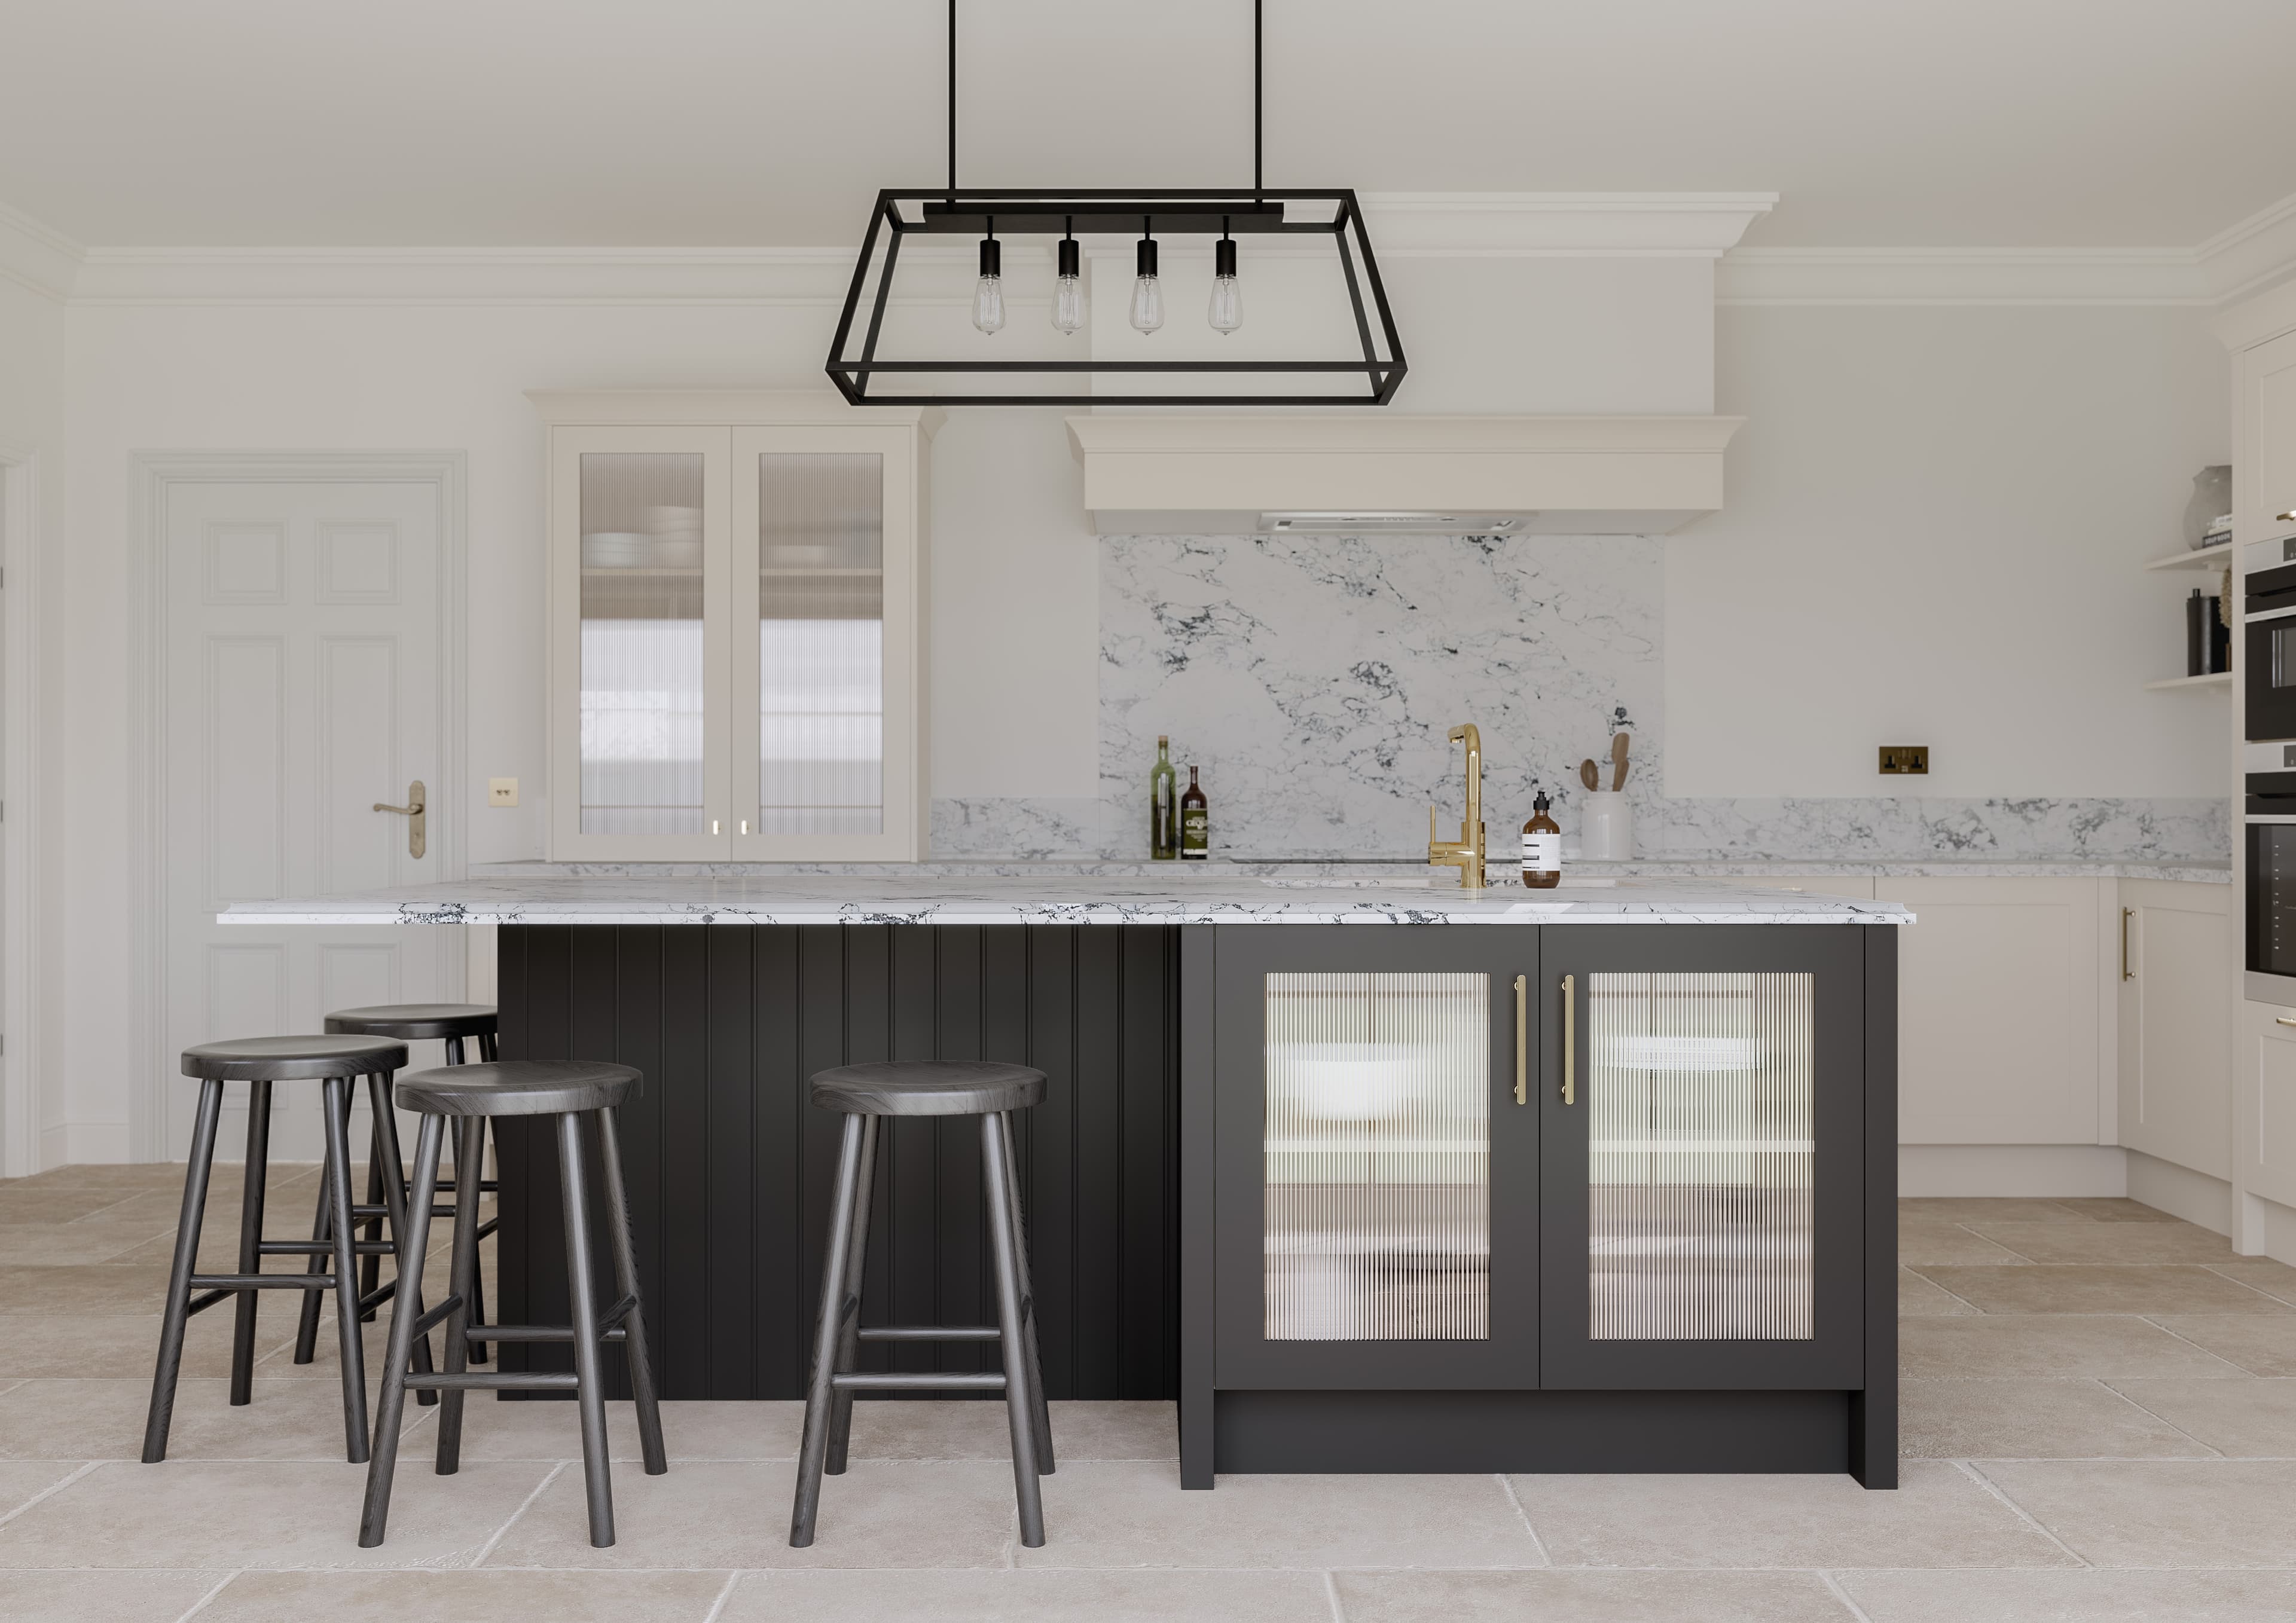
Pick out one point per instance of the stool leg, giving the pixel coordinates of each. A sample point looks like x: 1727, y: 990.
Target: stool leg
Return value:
x: 464, y: 1255
x: 250, y: 1236
x: 856, y: 1258
x: 394, y: 1201
x: 582, y: 1288
x: 1027, y: 1302
x: 179, y: 1279
x: 391, y: 1407
x: 371, y: 1266
x: 625, y: 1283
x: 337, y: 1176
x: 813, y: 1453
x: 477, y: 1186
x: 306, y: 1327
x: 1020, y: 1400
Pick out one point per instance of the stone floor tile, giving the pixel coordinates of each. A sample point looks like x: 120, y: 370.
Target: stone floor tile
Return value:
x: 23, y: 1480
x: 2253, y: 1419
x: 1127, y: 1514
x: 2102, y: 1288
x: 1958, y: 1208
x: 962, y: 1430
x: 137, y: 1289
x: 93, y: 1240
x: 691, y: 1430
x: 727, y: 1514
x: 2050, y: 1419
x: 2115, y: 1208
x: 99, y: 1346
x: 1587, y: 1597
x: 63, y: 1596
x: 2079, y: 1595
x: 272, y: 1513
x: 2260, y: 1344
x: 1918, y: 1297
x: 1938, y: 1517
x: 1923, y: 1242
x: 104, y: 1420
x: 2160, y: 1513
x: 45, y: 1208
x: 2123, y: 1242
x: 2275, y: 1279
x: 1053, y: 1596
x: 1988, y: 1346
x: 416, y: 1597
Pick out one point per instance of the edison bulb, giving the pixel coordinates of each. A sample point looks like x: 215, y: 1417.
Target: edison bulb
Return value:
x: 1147, y: 292
x: 1226, y: 313
x: 989, y: 292
x: 1068, y: 291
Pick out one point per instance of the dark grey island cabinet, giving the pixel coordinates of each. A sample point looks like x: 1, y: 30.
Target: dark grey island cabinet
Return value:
x: 1579, y: 1197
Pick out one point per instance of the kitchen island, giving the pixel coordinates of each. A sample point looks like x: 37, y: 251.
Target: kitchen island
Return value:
x: 1568, y: 1191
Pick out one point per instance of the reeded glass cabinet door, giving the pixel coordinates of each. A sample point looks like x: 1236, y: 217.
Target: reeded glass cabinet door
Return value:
x: 1376, y: 1177
x: 1702, y: 1156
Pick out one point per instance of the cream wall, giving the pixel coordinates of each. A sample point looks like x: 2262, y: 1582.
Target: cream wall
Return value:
x: 1934, y: 526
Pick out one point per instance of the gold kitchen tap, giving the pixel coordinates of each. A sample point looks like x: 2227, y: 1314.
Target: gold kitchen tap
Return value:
x: 1466, y: 852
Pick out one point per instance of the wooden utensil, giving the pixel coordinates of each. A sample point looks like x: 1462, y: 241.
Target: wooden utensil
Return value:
x: 1619, y: 744
x: 1588, y: 775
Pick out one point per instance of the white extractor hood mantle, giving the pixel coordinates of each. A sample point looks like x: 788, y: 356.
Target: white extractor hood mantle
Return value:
x: 1211, y: 474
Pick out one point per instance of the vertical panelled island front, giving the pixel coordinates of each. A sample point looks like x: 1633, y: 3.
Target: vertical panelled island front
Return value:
x: 1600, y: 1178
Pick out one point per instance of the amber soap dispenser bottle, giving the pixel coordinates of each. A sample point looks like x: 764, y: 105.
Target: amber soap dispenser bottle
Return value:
x: 1542, y: 847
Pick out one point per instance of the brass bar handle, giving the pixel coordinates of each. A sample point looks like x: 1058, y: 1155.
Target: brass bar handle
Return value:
x: 2127, y: 914
x: 1570, y: 1039
x: 417, y: 820
x: 2282, y: 1020
x: 1523, y: 1039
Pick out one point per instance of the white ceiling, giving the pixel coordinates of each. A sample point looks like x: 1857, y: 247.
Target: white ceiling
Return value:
x: 693, y: 123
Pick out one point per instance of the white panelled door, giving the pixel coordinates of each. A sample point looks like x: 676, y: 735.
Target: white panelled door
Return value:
x: 303, y: 687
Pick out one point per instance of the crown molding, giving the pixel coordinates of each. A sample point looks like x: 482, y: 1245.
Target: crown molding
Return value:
x: 34, y: 255
x: 1560, y: 225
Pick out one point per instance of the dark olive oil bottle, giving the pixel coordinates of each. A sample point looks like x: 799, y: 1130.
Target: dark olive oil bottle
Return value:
x: 1542, y: 847
x: 1195, y: 823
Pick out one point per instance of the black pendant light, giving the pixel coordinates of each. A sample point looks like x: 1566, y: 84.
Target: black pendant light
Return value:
x: 861, y: 372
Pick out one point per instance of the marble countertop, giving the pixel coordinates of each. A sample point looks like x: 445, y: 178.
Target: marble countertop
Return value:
x: 1222, y: 894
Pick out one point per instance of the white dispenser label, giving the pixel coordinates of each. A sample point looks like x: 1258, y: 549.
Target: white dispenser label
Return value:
x: 1542, y: 853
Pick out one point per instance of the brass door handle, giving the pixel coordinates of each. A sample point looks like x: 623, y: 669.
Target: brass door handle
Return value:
x: 414, y: 812
x: 2127, y: 914
x: 1570, y: 1039
x: 1523, y: 1039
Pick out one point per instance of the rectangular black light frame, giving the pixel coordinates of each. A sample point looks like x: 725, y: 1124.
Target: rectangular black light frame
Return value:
x: 1176, y: 213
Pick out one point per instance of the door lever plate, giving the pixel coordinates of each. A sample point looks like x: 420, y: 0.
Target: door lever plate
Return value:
x: 416, y: 815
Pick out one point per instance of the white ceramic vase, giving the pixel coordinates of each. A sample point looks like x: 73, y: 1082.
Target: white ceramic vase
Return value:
x: 1606, y: 826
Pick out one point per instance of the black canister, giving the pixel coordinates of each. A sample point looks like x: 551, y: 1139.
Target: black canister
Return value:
x: 2219, y: 637
x: 2196, y: 634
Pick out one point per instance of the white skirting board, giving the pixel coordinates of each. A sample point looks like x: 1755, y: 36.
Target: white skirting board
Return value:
x: 2180, y: 1192
x: 2013, y: 1170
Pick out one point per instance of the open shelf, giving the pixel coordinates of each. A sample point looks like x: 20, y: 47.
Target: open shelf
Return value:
x: 2206, y: 558
x: 2215, y: 678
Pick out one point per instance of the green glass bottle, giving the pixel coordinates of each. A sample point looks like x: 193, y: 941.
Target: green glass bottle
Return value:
x: 1164, y: 805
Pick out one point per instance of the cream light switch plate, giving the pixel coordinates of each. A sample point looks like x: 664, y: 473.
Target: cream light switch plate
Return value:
x: 502, y: 792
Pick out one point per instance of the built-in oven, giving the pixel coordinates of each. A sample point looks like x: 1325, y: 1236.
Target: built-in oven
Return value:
x: 2269, y: 829
x: 2269, y: 652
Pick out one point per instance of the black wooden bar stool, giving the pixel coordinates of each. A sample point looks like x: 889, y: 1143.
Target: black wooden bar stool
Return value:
x: 334, y: 1061
x: 456, y: 1024
x: 992, y: 1091
x: 568, y: 1090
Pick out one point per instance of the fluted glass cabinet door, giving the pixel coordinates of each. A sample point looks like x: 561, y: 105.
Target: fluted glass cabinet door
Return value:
x: 1376, y: 1204
x: 1702, y: 1144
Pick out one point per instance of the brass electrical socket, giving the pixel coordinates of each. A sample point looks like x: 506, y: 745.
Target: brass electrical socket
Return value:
x: 1904, y: 758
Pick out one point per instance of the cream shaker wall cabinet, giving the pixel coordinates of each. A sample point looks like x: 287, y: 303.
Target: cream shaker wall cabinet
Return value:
x: 736, y: 627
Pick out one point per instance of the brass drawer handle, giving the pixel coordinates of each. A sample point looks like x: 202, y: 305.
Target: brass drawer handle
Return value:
x: 1570, y: 1039
x: 2127, y: 914
x: 1523, y: 1039
x: 2282, y: 1020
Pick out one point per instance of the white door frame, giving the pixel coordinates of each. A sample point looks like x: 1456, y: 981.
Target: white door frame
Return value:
x: 20, y: 882
x: 151, y: 474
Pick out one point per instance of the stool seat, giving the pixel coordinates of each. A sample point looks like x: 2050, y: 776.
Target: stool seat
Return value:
x: 291, y: 1059
x: 413, y: 1022
x: 928, y: 1087
x: 518, y: 1087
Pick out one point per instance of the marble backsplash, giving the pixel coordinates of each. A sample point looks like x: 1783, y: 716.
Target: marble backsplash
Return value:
x: 1314, y: 678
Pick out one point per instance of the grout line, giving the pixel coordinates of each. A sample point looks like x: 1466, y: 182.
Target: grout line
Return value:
x: 13, y: 1385
x: 724, y: 1595
x: 1970, y: 1470
x: 2244, y: 1285
x: 1915, y: 1270
x: 1331, y: 1596
x: 1537, y: 1543
x: 2155, y: 1322
x: 501, y: 1532
x: 49, y: 1491
x: 201, y: 1604
x: 2213, y: 1452
x: 1842, y: 1596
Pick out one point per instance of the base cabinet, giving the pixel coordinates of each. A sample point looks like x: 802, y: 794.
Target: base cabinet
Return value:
x: 2173, y: 959
x: 1582, y: 1180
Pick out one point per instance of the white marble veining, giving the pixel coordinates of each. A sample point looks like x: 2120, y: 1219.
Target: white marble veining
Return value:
x: 1189, y: 897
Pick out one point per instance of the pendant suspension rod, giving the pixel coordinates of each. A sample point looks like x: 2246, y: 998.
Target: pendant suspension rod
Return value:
x: 952, y: 100
x: 1256, y: 30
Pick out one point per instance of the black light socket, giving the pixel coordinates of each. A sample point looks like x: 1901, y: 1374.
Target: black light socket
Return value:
x: 1145, y: 261
x: 1070, y: 256
x: 1224, y: 257
x: 992, y: 257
